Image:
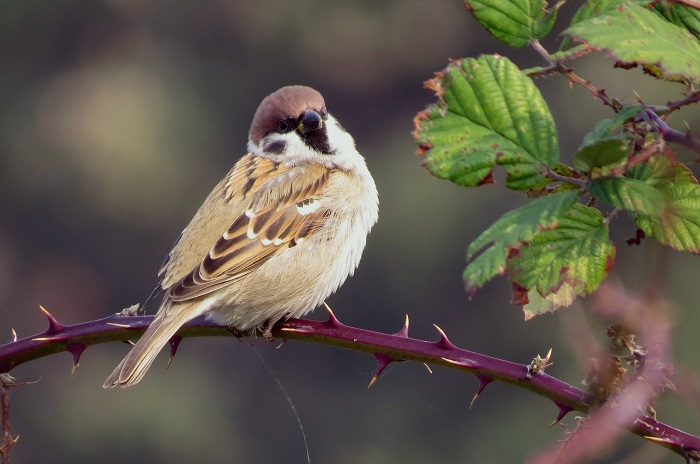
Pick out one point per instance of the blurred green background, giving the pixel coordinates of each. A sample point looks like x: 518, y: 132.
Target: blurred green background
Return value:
x: 118, y: 117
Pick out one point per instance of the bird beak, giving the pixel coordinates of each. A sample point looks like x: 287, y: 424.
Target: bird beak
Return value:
x: 310, y: 121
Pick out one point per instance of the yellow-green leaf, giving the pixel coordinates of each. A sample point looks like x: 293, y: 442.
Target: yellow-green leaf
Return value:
x: 515, y: 22
x: 489, y: 114
x: 633, y: 35
x: 629, y: 194
x: 577, y: 251
x: 514, y: 227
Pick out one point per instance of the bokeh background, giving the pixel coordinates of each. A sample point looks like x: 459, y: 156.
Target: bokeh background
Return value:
x: 116, y: 119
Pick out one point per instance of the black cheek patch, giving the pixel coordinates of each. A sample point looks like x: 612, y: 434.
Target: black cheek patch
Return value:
x: 275, y: 146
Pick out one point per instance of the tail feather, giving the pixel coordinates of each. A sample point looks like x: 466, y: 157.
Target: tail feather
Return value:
x: 134, y: 366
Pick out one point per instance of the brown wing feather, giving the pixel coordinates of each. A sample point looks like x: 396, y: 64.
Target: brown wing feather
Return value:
x: 280, y: 212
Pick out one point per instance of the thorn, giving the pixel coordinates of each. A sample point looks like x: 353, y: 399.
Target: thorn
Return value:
x: 383, y: 360
x: 430, y: 371
x: 563, y: 411
x: 371, y: 382
x: 457, y: 363
x: 404, y: 330
x: 284, y: 342
x: 483, y: 381
x: 174, y: 343
x: 76, y: 349
x: 121, y: 326
x: 14, y: 335
x: 54, y: 326
x: 444, y: 342
x: 664, y: 441
x: 129, y: 342
x: 332, y: 321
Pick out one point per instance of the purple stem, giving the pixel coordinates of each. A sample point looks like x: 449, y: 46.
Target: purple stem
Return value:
x: 398, y: 347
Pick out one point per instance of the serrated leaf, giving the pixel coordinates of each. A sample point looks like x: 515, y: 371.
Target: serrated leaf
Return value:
x: 489, y: 113
x: 515, y: 22
x: 678, y: 226
x: 629, y: 194
x: 633, y: 35
x: 577, y: 251
x: 512, y: 228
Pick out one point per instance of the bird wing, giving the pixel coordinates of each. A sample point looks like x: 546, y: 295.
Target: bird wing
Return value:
x: 277, y: 207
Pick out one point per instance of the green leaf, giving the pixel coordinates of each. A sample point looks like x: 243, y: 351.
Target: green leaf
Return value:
x: 629, y: 194
x: 633, y: 35
x: 610, y: 126
x: 603, y: 152
x: 680, y: 15
x: 515, y: 22
x: 679, y: 225
x: 593, y: 9
x: 605, y: 144
x: 658, y: 171
x: 514, y: 227
x: 577, y: 251
x: 489, y: 113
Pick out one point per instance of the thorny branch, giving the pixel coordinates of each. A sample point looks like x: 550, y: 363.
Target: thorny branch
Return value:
x: 386, y: 349
x: 648, y: 318
x: 654, y: 112
x: 673, y: 135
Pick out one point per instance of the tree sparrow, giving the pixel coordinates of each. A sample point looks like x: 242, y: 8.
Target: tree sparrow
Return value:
x: 277, y: 236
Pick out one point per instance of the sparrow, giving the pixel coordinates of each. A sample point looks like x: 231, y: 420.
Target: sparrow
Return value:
x: 277, y: 235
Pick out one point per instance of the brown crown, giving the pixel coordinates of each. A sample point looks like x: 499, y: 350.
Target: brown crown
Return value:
x: 287, y: 102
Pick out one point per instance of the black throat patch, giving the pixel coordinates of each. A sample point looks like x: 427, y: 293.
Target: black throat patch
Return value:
x: 318, y: 140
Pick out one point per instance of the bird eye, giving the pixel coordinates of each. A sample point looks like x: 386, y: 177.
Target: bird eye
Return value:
x: 283, y: 126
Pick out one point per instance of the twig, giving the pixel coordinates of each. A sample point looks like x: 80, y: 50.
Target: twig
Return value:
x: 566, y: 179
x: 673, y: 135
x: 574, y: 78
x: 535, y: 44
x: 612, y: 215
x: 598, y: 93
x: 7, y: 442
x: 664, y: 110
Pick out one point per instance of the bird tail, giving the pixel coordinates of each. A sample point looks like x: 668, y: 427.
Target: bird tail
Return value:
x: 134, y: 366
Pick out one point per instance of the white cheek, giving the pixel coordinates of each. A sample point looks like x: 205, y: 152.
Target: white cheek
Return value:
x: 340, y: 140
x: 296, y: 152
